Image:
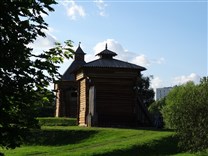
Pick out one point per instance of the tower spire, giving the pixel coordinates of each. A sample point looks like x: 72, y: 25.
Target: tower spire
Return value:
x: 79, y: 54
x: 106, y: 54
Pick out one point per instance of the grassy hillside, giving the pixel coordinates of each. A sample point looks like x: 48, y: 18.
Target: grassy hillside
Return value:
x: 78, y: 141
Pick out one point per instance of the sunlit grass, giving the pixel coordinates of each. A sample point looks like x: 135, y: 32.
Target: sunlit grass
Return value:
x: 88, y: 141
x: 78, y: 141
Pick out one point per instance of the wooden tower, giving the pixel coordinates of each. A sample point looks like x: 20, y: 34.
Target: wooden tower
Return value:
x: 106, y: 92
x: 66, y: 88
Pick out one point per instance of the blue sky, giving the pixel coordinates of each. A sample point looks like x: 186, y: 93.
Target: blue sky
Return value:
x: 168, y: 37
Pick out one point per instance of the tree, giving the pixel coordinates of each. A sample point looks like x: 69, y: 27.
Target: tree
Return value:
x: 155, y: 111
x: 24, y: 76
x: 145, y: 96
x: 186, y: 111
x: 45, y: 106
x: 145, y: 92
x: 156, y: 106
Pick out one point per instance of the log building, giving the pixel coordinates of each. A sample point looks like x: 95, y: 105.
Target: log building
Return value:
x: 66, y: 89
x: 106, y: 93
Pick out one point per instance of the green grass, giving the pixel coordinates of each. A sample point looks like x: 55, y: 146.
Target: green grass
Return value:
x: 85, y: 141
x: 51, y: 121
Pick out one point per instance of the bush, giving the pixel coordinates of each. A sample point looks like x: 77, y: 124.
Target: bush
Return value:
x: 186, y: 111
x: 52, y: 121
x: 155, y: 111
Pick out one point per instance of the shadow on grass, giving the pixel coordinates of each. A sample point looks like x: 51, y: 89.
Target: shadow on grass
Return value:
x: 58, y: 137
x: 166, y: 146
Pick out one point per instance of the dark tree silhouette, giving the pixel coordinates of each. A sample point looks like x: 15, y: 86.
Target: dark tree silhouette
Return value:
x: 24, y: 76
x: 145, y: 92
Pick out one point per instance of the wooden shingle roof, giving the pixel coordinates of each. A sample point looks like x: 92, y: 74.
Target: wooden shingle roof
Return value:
x: 106, y: 60
x: 112, y: 63
x: 69, y: 75
x: 106, y: 54
x: 77, y: 63
x: 79, y: 51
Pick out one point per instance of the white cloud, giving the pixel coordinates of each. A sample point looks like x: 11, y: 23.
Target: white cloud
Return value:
x: 73, y: 10
x: 124, y: 54
x: 44, y: 43
x: 158, y: 61
x: 90, y: 57
x: 156, y: 82
x: 141, y: 60
x: 101, y: 6
x: 185, y: 78
x: 112, y: 45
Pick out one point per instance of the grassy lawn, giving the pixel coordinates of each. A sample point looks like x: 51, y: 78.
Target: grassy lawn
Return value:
x: 84, y: 141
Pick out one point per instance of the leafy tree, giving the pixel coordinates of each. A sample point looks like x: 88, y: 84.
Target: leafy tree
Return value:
x: 186, y: 112
x: 46, y: 105
x: 157, y: 106
x: 145, y: 92
x: 24, y: 76
x: 155, y: 110
x: 145, y: 96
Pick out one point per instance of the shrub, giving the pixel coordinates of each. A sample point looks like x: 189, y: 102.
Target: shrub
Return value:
x: 155, y: 111
x: 52, y: 121
x: 186, y: 111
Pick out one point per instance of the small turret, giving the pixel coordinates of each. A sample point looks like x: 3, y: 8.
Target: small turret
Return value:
x: 79, y: 61
x: 79, y: 54
x: 106, y: 54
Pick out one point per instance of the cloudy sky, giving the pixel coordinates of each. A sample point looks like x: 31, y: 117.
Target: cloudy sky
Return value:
x: 168, y: 37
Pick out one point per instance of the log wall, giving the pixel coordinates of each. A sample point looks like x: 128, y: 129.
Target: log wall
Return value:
x: 115, y: 96
x: 83, y: 102
x: 115, y: 102
x: 66, y: 103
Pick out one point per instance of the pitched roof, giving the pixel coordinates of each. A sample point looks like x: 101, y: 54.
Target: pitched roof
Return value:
x: 79, y: 50
x: 107, y: 61
x: 112, y: 63
x: 69, y: 75
x: 77, y: 63
x: 106, y: 53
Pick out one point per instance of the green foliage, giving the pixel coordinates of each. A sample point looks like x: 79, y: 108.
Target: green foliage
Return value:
x: 45, y: 106
x: 155, y: 110
x: 186, y: 111
x: 156, y: 106
x: 145, y: 92
x: 51, y: 121
x: 24, y: 76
